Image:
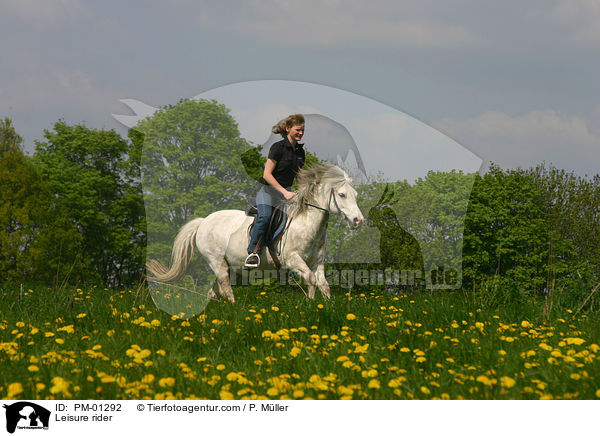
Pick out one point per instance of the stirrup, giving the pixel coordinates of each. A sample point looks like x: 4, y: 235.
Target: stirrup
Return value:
x: 249, y: 264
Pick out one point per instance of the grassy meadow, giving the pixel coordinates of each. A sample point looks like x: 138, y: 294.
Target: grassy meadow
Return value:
x: 97, y: 343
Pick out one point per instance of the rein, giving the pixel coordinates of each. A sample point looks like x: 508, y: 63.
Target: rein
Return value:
x: 328, y: 203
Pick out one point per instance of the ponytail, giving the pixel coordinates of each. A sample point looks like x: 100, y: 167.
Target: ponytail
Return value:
x: 292, y: 120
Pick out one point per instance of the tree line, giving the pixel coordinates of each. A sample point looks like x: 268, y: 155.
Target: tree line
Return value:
x: 84, y: 207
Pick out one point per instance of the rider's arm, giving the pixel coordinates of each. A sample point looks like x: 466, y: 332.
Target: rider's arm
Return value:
x: 268, y: 176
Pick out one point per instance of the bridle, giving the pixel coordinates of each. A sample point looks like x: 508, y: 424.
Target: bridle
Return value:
x: 328, y: 203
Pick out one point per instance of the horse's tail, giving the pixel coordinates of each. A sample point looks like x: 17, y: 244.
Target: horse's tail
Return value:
x: 183, y: 250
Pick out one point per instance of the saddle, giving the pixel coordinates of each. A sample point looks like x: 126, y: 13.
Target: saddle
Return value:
x: 274, y: 230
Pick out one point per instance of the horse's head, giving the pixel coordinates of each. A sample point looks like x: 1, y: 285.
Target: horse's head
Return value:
x: 341, y: 196
x: 343, y: 200
x: 330, y: 187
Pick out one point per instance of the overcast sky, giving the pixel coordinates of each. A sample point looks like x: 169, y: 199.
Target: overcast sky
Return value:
x: 514, y: 82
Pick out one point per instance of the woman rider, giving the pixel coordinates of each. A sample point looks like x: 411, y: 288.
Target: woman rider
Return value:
x: 284, y: 160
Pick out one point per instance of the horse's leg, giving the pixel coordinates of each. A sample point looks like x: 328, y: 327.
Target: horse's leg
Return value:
x: 212, y: 295
x: 322, y: 281
x: 296, y: 264
x: 221, y: 270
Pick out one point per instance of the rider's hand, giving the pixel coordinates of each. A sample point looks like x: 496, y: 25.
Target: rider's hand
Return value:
x: 289, y: 195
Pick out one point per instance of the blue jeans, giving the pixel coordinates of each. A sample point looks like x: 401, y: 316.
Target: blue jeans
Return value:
x: 267, y: 199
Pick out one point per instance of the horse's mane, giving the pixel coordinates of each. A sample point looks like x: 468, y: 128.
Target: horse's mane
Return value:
x: 308, y: 180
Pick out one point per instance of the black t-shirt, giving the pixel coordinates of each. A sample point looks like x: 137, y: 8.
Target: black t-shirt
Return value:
x: 288, y: 159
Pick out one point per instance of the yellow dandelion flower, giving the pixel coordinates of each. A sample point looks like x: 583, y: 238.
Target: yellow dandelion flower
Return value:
x: 374, y: 384
x: 372, y: 373
x: 60, y: 385
x: 14, y: 389
x: 81, y: 315
x: 147, y: 379
x: 344, y: 390
x: 232, y: 376
x: 361, y: 349
x: 67, y: 328
x: 298, y: 393
x: 486, y: 380
x: 60, y: 341
x: 220, y: 367
x: 394, y: 383
x: 350, y: 317
x: 507, y: 382
x: 107, y: 379
x: 574, y: 341
x: 425, y: 390
x: 226, y: 395
x: 166, y: 382
x: 40, y: 386
x: 33, y: 368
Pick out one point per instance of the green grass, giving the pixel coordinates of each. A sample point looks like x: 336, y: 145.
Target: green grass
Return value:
x: 278, y: 344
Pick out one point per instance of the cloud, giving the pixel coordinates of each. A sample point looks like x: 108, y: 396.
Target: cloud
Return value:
x: 564, y: 140
x: 513, y: 27
x: 52, y: 89
x: 325, y: 23
x: 47, y: 13
x: 583, y: 16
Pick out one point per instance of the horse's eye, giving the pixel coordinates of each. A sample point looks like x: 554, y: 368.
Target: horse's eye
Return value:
x: 342, y: 195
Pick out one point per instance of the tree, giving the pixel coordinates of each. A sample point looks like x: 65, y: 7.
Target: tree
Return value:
x: 97, y: 226
x: 506, y: 232
x: 572, y: 207
x: 20, y: 202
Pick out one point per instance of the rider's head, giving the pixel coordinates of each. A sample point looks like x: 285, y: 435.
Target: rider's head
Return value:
x: 283, y: 127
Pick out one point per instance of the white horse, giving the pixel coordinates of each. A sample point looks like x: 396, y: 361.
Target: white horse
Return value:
x: 222, y: 237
